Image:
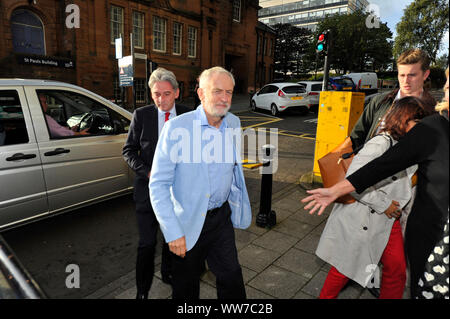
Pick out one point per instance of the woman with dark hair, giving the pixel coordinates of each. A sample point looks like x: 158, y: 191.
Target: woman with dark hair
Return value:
x: 359, y: 235
x: 427, y: 144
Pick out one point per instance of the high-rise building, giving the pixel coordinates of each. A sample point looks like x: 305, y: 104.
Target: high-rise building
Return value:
x: 305, y: 13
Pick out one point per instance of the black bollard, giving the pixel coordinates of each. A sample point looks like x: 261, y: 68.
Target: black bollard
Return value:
x: 266, y: 216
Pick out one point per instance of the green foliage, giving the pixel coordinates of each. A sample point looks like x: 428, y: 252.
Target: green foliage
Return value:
x: 356, y: 47
x: 437, y: 77
x: 423, y: 26
x: 292, y: 44
x: 442, y: 61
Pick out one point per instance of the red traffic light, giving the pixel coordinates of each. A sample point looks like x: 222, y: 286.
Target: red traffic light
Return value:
x: 321, y: 37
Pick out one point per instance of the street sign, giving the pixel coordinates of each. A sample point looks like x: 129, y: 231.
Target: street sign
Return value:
x: 126, y: 71
x: 118, y: 48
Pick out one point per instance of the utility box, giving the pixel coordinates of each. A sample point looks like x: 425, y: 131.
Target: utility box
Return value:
x: 338, y: 113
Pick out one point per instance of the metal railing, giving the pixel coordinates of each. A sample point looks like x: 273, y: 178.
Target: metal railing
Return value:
x: 15, y: 281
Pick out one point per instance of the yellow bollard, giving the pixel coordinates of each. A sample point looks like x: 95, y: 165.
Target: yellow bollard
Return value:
x: 338, y: 113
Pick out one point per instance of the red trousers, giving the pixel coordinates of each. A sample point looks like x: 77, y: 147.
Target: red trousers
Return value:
x: 393, y: 278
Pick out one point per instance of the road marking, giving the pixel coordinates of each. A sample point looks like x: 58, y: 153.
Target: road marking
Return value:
x: 266, y: 115
x: 302, y: 135
x: 311, y: 121
x: 262, y: 123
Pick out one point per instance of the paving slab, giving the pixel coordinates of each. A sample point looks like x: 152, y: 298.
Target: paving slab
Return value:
x: 300, y: 262
x: 294, y: 228
x: 278, y: 282
x: 276, y: 241
x: 257, y: 258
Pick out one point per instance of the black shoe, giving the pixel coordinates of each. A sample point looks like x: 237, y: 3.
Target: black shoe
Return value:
x: 375, y: 292
x: 142, y: 296
x: 167, y: 279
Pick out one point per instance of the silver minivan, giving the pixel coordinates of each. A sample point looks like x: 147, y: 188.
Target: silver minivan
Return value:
x: 60, y: 149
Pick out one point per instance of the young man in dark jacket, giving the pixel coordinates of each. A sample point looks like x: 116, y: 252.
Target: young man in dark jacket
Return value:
x: 413, y: 69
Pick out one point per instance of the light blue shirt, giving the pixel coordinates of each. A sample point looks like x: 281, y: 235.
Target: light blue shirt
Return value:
x: 180, y: 190
x: 220, y: 172
x: 162, y: 117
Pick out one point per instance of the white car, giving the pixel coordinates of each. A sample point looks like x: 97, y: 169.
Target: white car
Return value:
x: 313, y: 89
x: 278, y: 97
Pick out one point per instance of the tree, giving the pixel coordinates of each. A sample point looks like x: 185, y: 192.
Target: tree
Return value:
x: 423, y: 25
x: 355, y: 46
x: 442, y: 61
x: 292, y: 43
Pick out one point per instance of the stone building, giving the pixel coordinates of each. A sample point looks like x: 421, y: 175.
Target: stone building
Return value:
x: 74, y: 41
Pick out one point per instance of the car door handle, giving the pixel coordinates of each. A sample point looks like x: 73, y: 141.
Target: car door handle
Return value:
x: 57, y: 151
x: 20, y: 156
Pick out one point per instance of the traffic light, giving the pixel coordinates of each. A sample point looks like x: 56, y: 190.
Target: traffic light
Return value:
x: 322, y: 43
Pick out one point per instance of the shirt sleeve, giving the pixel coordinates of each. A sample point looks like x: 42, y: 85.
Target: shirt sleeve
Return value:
x: 161, y: 181
x: 56, y: 130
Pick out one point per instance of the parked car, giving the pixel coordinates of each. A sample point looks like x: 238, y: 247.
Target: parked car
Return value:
x: 278, y: 97
x: 342, y: 83
x: 313, y: 89
x: 43, y: 174
x: 366, y: 82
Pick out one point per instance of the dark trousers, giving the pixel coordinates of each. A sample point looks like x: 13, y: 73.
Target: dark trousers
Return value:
x: 145, y: 264
x: 217, y: 246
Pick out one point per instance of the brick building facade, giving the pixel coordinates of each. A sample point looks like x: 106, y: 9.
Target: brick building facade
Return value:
x: 40, y: 39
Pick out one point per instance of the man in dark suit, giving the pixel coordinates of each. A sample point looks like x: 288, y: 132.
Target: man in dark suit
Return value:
x: 138, y: 152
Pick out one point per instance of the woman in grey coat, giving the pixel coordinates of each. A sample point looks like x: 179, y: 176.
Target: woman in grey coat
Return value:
x: 358, y: 236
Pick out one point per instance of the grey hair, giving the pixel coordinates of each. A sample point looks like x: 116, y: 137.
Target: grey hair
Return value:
x: 206, y: 75
x: 161, y: 74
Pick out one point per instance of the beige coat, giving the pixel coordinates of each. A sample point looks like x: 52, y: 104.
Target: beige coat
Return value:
x: 356, y: 234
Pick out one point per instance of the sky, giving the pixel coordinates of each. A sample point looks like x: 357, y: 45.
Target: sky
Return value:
x: 391, y: 11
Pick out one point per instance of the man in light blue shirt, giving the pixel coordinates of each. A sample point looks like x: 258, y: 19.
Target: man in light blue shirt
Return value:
x: 198, y: 191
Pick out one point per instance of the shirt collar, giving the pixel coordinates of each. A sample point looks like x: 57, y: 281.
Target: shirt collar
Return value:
x: 399, y: 95
x: 172, y: 111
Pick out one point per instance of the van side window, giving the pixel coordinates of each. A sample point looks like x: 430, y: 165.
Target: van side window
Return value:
x: 13, y: 129
x: 70, y: 114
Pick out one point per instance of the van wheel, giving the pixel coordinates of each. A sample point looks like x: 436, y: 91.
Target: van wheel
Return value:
x: 253, y: 106
x: 274, y: 110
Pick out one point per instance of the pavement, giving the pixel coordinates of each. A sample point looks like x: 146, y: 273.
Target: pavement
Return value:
x: 277, y: 263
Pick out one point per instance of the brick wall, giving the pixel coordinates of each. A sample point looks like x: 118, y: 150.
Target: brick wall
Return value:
x: 220, y: 41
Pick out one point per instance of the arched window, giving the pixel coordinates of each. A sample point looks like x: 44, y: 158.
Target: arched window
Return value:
x: 27, y: 32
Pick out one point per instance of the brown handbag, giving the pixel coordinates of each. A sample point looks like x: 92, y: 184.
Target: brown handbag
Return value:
x: 334, y: 166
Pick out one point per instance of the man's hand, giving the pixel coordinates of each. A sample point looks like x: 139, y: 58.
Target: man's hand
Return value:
x: 178, y: 247
x: 393, y: 210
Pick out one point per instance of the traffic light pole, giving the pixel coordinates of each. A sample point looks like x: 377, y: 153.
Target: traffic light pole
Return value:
x: 325, y: 74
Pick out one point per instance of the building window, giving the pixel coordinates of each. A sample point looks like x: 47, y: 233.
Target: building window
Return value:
x: 138, y: 29
x: 116, y: 23
x: 27, y: 32
x: 177, y: 36
x: 192, y: 42
x: 159, y: 34
x: 237, y: 10
x: 264, y: 46
x: 139, y: 85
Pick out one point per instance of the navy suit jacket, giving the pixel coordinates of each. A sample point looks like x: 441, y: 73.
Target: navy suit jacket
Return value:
x: 140, y: 145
